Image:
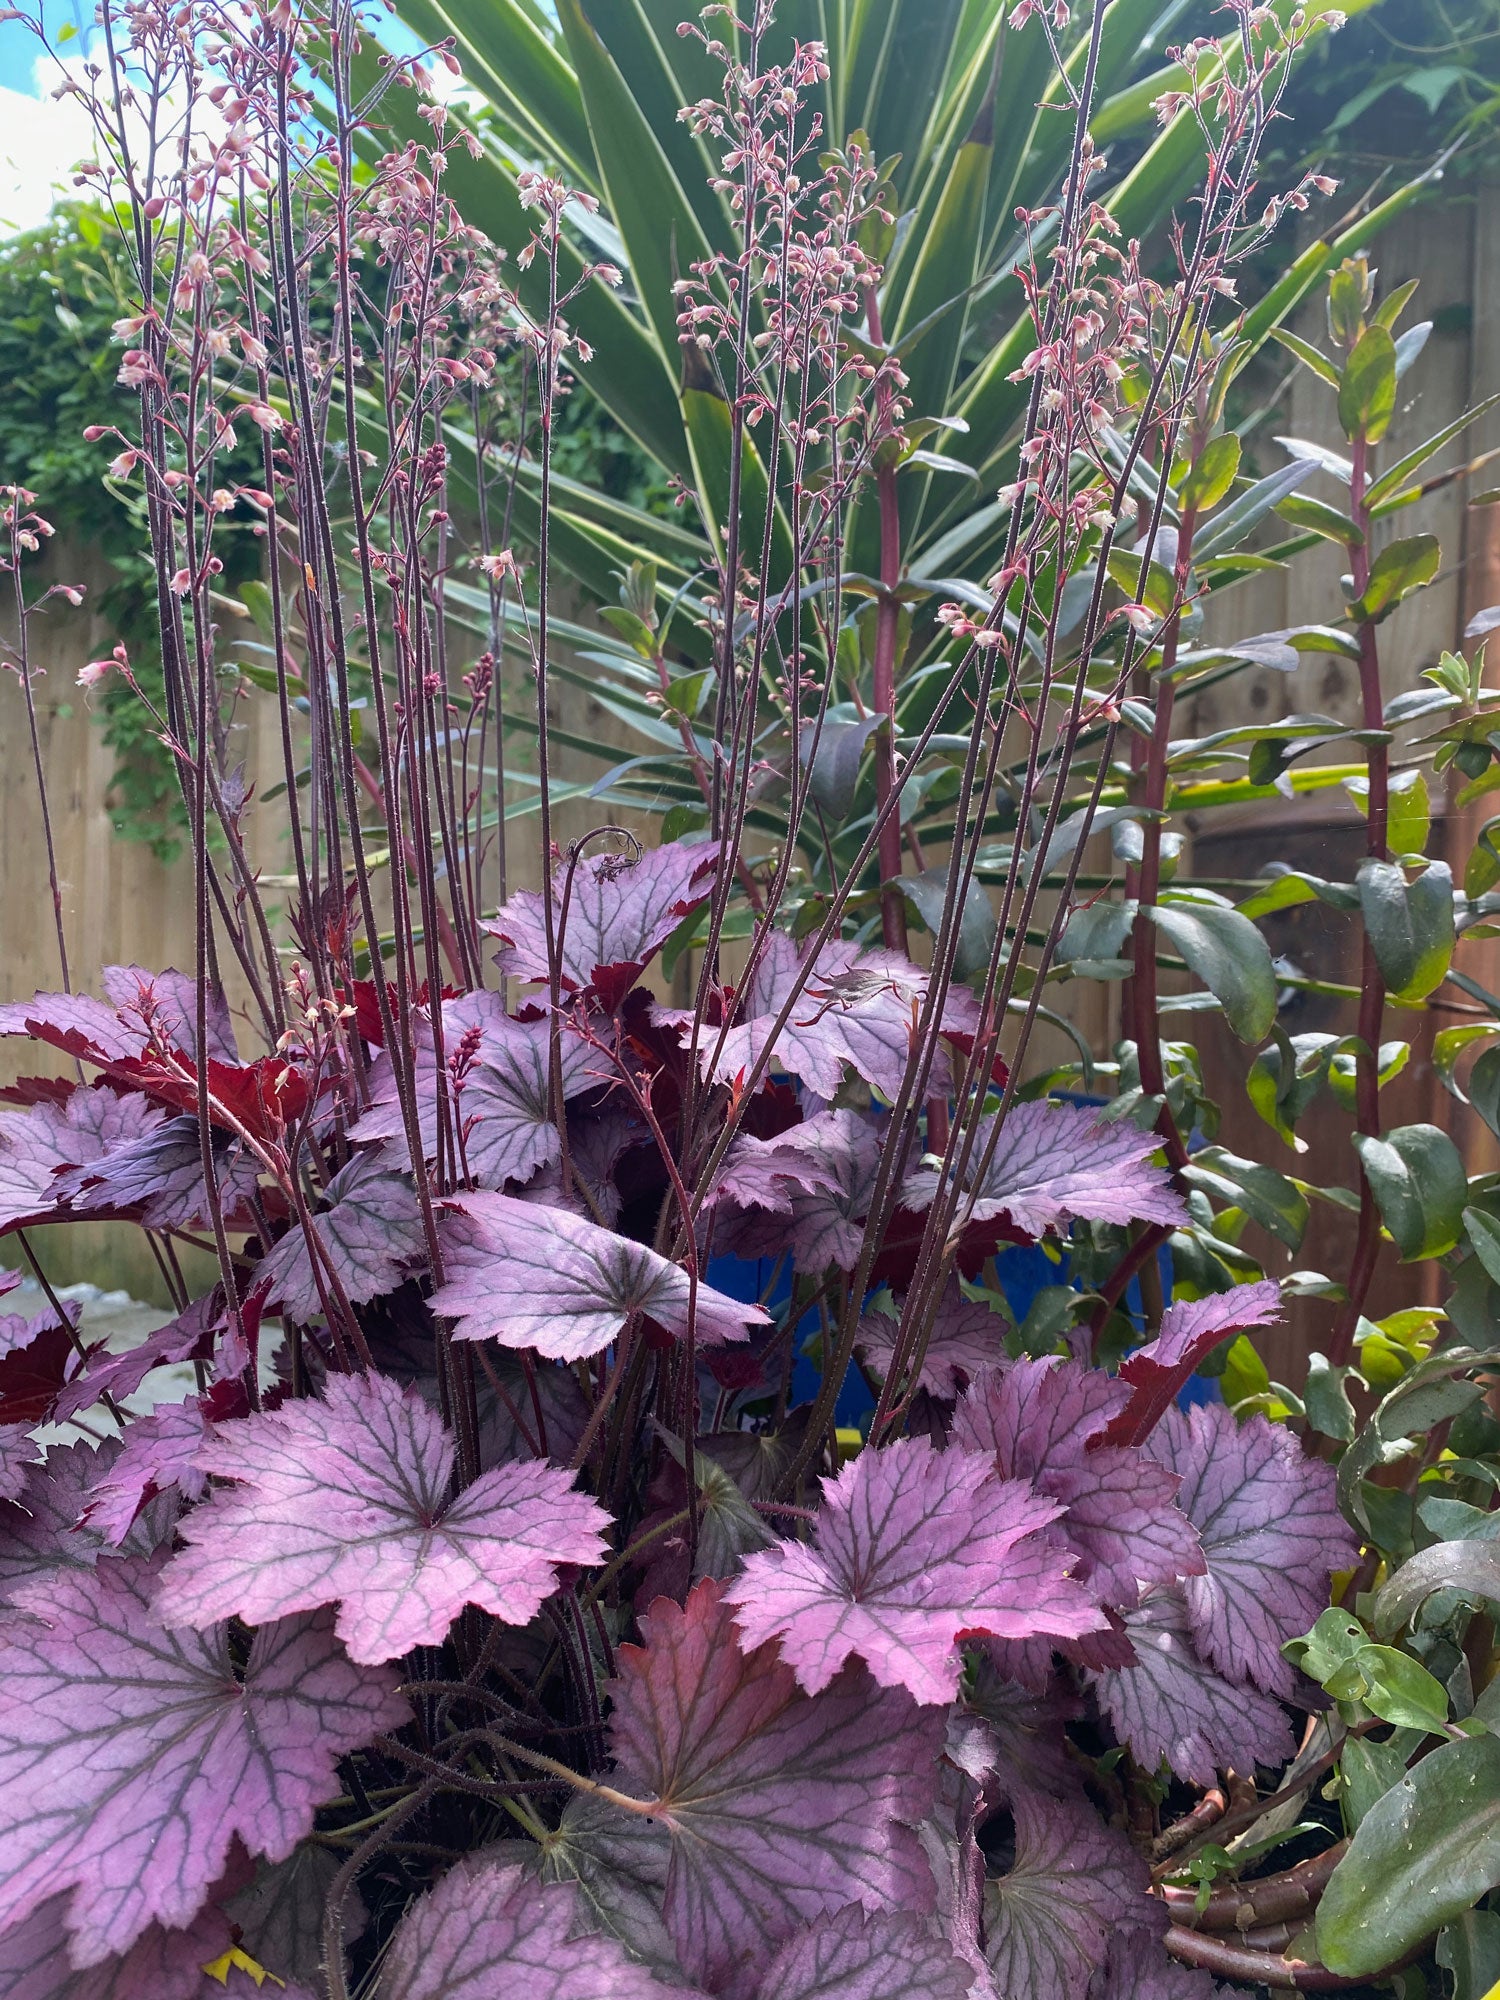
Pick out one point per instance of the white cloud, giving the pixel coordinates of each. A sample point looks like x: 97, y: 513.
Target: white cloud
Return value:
x: 41, y: 140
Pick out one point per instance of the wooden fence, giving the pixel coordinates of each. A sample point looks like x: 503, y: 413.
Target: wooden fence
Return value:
x: 122, y: 906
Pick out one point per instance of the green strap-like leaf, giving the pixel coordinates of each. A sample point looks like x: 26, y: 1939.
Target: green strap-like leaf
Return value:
x: 520, y: 69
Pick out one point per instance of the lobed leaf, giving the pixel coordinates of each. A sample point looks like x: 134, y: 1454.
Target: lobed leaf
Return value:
x: 158, y: 1454
x: 967, y: 1337
x: 1190, y: 1330
x: 912, y: 1549
x: 130, y: 1756
x: 369, y: 1235
x: 774, y: 1807
x: 1271, y: 1530
x: 347, y: 1500
x: 529, y: 1275
x: 853, y: 1956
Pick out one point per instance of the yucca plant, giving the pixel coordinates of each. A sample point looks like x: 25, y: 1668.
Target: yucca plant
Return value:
x: 971, y: 124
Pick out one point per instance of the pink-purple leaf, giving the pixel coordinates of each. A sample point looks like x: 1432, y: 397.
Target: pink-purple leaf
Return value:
x: 1028, y: 1745
x: 168, y: 1002
x: 499, y: 1108
x: 776, y: 1807
x: 188, y: 1337
x: 158, y: 1454
x: 369, y: 1234
x: 41, y: 1534
x: 766, y: 1173
x: 36, y: 1145
x: 912, y: 1549
x: 76, y: 1022
x: 1053, y: 1162
x: 1073, y: 1882
x: 1139, y: 1969
x: 967, y: 1337
x: 858, y: 1008
x: 1172, y: 1705
x: 490, y: 1928
x: 1039, y: 1419
x: 532, y: 1276
x: 278, y: 1914
x: 619, y: 914
x: 1190, y: 1331
x: 18, y: 1453
x: 852, y: 1956
x: 347, y: 1500
x: 1272, y: 1535
x: 35, y: 1962
x: 131, y: 1756
x: 157, y: 1178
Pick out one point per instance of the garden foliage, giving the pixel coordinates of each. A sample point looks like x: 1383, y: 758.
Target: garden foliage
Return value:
x: 508, y: 1606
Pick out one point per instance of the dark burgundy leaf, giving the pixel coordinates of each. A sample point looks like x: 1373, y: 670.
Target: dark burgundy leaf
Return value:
x: 1272, y: 1536
x: 967, y: 1337
x: 1056, y: 1161
x: 1039, y: 1419
x: 532, y: 1276
x: 775, y: 1807
x: 370, y: 1232
x: 490, y: 1928
x: 347, y: 1500
x: 34, y: 1371
x: 1190, y: 1331
x: 852, y: 1956
x: 1073, y: 1883
x: 620, y: 913
x: 130, y: 1756
x: 912, y: 1549
x: 279, y: 1914
x: 1172, y: 1705
x: 1029, y: 1749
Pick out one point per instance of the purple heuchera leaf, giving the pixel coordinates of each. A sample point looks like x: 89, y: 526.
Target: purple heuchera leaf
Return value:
x: 1027, y: 1749
x: 170, y: 1001
x: 158, y: 1178
x: 1073, y: 1883
x: 775, y: 1807
x: 188, y: 1337
x: 532, y: 1276
x: 967, y: 1337
x: 819, y: 1224
x: 18, y: 1453
x: 1190, y: 1331
x: 42, y: 1534
x: 346, y: 1500
x: 1039, y: 1418
x: 852, y: 1956
x: 1053, y: 1162
x: 1272, y: 1536
x: 620, y: 913
x: 1171, y: 1704
x: 278, y: 1914
x: 766, y: 1173
x: 35, y: 1963
x: 370, y: 1232
x: 501, y: 1107
x: 130, y: 1756
x: 36, y: 1145
x: 858, y: 1008
x: 491, y: 1928
x: 69, y: 1019
x: 913, y: 1549
x: 158, y: 1453
x: 1139, y: 1969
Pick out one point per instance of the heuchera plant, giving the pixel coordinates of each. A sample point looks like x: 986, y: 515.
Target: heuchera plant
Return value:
x: 507, y: 1608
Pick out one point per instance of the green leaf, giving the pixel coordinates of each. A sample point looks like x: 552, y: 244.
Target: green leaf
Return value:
x: 1392, y: 481
x: 1266, y: 1196
x: 927, y: 893
x: 1393, y: 1686
x: 1368, y: 1770
x: 1231, y: 958
x: 1483, y: 1232
x: 1326, y: 1400
x: 1367, y: 387
x: 1482, y: 869
x: 835, y: 768
x: 1302, y: 511
x: 1409, y: 925
x: 1472, y: 1567
x: 1408, y: 809
x: 1310, y: 356
x: 1212, y: 474
x: 1423, y: 1855
x: 1417, y: 1177
x: 1396, y: 572
x: 1449, y: 1044
x: 1469, y: 1950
